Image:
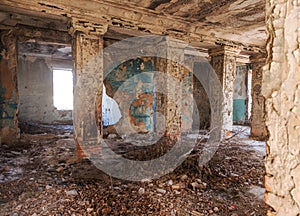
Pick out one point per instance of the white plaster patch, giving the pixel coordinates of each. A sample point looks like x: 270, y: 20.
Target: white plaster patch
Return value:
x: 111, y: 113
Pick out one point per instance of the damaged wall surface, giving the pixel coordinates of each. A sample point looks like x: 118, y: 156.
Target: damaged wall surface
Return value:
x: 240, y: 95
x: 35, y: 83
x: 133, y: 86
x: 281, y: 88
x: 9, y: 98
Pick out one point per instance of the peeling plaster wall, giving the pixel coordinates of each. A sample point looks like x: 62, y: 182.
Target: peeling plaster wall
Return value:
x: 240, y: 95
x: 281, y: 88
x: 36, y: 91
x: 132, y: 85
x: 8, y: 88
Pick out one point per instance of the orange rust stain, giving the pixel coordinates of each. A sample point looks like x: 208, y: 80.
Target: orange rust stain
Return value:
x: 80, y: 152
x: 124, y: 69
x: 7, y: 79
x: 146, y: 97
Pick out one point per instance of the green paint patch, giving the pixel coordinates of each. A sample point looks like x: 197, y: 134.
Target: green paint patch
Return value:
x: 239, y: 110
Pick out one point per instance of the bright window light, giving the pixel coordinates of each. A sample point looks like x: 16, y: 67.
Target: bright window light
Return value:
x: 63, y: 89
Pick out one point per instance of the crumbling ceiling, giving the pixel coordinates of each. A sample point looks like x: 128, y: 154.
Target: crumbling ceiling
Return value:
x: 237, y: 20
x: 203, y: 23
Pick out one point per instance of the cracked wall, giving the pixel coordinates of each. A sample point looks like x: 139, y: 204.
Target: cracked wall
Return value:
x: 35, y: 84
x: 281, y: 88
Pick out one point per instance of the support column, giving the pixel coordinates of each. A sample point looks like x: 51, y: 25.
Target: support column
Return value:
x: 170, y: 99
x: 88, y: 64
x: 223, y: 61
x: 9, y: 98
x: 258, y: 126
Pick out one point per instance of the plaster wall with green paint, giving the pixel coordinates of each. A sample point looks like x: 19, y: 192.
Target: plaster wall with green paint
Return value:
x: 240, y: 95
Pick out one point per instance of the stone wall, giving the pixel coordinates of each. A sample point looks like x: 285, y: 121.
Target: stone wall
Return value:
x: 35, y: 84
x: 281, y: 88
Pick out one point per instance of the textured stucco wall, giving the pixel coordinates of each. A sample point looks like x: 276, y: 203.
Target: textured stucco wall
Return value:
x: 281, y: 88
x: 35, y: 85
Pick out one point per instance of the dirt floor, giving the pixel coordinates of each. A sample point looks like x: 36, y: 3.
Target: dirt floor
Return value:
x: 41, y: 175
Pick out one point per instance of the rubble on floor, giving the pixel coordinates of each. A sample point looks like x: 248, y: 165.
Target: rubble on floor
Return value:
x: 41, y: 175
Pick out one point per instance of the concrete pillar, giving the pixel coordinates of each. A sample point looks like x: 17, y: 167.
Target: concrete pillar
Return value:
x: 169, y: 101
x: 88, y: 64
x: 223, y: 61
x: 281, y: 90
x: 258, y: 126
x: 9, y: 97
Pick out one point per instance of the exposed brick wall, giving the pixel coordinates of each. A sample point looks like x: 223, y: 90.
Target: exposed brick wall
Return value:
x: 281, y: 88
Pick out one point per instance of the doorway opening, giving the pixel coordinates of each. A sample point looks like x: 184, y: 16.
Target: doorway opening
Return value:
x: 63, y: 89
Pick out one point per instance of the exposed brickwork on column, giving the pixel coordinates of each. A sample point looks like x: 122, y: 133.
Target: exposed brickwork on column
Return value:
x: 258, y: 126
x: 281, y: 88
x: 9, y: 98
x: 223, y: 61
x: 88, y: 64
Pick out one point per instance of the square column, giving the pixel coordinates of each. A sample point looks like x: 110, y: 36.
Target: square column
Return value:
x: 258, y: 126
x: 169, y: 87
x: 223, y: 61
x: 88, y: 78
x: 9, y: 97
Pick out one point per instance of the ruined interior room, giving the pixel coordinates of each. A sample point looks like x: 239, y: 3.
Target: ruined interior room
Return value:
x: 149, y: 107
